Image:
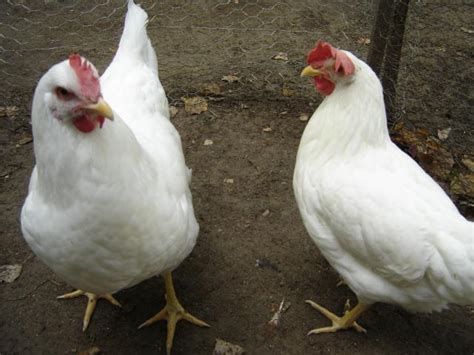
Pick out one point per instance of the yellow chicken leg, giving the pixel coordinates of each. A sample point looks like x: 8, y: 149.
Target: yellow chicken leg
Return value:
x: 173, y: 312
x: 339, y: 323
x: 90, y: 304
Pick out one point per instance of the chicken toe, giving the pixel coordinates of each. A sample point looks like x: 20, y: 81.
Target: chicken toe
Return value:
x: 173, y: 312
x: 90, y: 304
x: 339, y: 323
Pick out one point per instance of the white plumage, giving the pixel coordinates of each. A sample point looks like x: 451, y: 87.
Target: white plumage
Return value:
x: 109, y: 208
x: 387, y: 228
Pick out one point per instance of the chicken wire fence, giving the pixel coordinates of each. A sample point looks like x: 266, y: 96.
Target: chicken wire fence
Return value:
x: 259, y: 46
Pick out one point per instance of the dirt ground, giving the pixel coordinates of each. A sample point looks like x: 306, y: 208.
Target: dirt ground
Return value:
x: 253, y: 250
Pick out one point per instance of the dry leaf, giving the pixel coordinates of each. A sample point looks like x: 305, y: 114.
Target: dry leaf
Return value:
x: 230, y: 78
x: 463, y: 185
x: 210, y: 89
x: 281, y: 56
x: 92, y: 351
x: 208, y: 142
x: 303, y: 117
x: 229, y: 181
x: 224, y: 348
x: 436, y: 159
x: 287, y: 92
x: 173, y: 111
x: 25, y: 140
x: 195, y: 105
x: 276, y: 319
x: 364, y: 40
x: 8, y: 111
x: 428, y: 151
x: 9, y: 273
x: 398, y: 126
x: 443, y: 134
x: 468, y: 163
x: 267, y: 129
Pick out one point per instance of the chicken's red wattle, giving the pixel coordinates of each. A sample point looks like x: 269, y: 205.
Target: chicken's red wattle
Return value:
x: 324, y: 85
x: 84, y: 124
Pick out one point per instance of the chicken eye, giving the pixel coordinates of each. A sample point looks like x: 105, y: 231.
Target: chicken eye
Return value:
x: 64, y: 94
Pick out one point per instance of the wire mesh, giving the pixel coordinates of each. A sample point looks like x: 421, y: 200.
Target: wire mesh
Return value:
x: 199, y: 42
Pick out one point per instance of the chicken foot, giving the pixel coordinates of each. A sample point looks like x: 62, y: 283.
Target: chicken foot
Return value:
x: 90, y: 304
x: 339, y: 323
x: 173, y: 312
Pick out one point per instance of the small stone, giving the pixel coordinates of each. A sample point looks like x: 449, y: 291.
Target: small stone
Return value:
x: 303, y: 117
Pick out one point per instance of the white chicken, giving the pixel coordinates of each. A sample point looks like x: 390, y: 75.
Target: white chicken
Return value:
x: 109, y: 203
x: 387, y: 228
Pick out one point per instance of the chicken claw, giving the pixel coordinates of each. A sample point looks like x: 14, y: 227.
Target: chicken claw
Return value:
x: 91, y: 304
x: 339, y: 323
x: 173, y: 312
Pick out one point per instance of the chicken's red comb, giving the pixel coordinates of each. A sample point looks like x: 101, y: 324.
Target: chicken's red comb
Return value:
x: 321, y: 53
x: 88, y: 80
x: 324, y: 51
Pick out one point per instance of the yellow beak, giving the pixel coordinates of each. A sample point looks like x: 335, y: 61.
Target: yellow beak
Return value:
x: 310, y: 71
x: 101, y: 108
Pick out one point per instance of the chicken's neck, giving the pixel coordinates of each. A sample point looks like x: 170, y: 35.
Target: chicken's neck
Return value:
x: 70, y: 163
x: 350, y: 120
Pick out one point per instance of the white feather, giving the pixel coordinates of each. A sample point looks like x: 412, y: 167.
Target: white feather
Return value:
x: 111, y: 208
x: 377, y: 217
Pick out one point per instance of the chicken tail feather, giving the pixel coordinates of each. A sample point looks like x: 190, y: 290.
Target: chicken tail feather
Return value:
x: 135, y: 40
